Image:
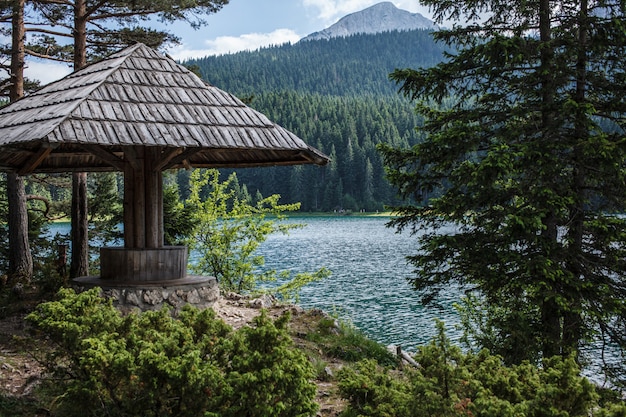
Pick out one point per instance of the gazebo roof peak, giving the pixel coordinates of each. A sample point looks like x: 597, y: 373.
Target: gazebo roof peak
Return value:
x: 138, y: 97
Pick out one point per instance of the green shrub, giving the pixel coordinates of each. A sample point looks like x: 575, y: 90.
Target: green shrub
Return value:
x: 151, y: 364
x: 267, y: 376
x: 451, y: 383
x: 372, y: 391
x: 228, y: 230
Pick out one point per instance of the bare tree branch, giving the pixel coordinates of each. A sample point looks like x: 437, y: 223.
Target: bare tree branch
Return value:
x: 49, y: 32
x: 44, y: 56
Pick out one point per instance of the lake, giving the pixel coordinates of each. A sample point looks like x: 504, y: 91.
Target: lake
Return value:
x: 368, y: 284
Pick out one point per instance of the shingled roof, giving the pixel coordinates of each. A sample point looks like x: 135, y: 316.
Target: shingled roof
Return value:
x: 85, y: 121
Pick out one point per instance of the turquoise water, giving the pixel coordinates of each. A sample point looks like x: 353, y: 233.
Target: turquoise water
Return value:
x: 368, y: 284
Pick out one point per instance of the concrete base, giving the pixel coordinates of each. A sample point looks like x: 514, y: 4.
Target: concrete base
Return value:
x: 199, y: 291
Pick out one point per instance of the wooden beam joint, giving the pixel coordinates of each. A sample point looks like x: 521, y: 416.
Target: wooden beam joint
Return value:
x: 36, y: 159
x: 181, y: 157
x: 106, y: 155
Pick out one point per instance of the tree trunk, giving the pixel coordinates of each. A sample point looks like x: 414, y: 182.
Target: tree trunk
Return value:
x: 17, y: 52
x: 551, y: 313
x: 573, y: 321
x: 20, y: 258
x: 80, y: 241
x: 80, y: 34
x: 80, y: 225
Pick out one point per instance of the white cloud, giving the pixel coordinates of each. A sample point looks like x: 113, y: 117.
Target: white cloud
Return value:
x: 46, y: 72
x: 230, y: 44
x: 332, y: 10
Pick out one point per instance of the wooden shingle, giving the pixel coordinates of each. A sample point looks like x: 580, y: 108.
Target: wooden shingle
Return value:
x: 140, y: 97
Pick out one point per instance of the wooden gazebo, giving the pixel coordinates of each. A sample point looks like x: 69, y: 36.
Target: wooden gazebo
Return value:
x: 141, y: 113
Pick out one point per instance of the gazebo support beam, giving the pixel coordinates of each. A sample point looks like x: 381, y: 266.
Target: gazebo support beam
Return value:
x: 143, y: 257
x: 154, y: 198
x: 167, y: 156
x: 181, y: 157
x: 143, y: 199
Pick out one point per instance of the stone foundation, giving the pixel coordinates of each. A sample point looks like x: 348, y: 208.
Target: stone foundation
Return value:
x: 201, y: 292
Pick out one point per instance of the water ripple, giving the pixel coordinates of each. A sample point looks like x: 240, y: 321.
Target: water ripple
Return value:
x: 368, y: 285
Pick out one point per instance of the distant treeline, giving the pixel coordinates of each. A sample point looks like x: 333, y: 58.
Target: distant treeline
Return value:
x: 335, y: 94
x: 347, y: 130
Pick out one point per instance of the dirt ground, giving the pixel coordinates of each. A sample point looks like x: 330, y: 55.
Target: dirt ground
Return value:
x: 20, y: 372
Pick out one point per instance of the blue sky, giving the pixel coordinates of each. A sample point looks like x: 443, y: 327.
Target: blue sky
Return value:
x: 248, y: 25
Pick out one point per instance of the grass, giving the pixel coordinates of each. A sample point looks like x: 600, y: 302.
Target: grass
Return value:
x: 342, y: 340
x: 328, y: 343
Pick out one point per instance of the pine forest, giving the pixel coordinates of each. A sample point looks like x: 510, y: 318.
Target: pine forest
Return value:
x: 336, y: 95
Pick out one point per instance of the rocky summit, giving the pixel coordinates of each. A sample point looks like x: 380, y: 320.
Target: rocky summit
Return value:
x: 381, y: 17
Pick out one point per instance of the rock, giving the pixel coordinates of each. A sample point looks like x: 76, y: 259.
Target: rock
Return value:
x: 233, y: 296
x: 132, y: 299
x: 174, y: 299
x: 296, y: 309
x: 153, y: 297
x: 264, y: 301
x: 193, y: 297
x: 210, y: 294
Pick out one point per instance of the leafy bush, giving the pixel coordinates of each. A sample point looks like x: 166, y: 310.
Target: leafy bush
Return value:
x: 151, y: 364
x: 451, y: 383
x: 228, y: 231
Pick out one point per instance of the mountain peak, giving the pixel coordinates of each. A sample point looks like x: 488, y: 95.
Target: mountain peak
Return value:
x: 381, y: 17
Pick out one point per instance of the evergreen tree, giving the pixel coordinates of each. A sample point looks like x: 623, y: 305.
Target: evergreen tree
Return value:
x: 344, y: 66
x: 525, y: 142
x: 321, y: 121
x: 20, y: 265
x: 88, y: 24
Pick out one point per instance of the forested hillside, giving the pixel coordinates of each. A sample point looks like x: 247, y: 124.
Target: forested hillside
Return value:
x: 356, y: 65
x: 336, y: 95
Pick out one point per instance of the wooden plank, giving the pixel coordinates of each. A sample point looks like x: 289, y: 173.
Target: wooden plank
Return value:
x: 105, y: 155
x: 143, y: 265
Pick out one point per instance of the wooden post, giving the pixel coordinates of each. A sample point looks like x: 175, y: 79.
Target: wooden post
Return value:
x: 143, y: 198
x: 160, y: 222
x: 129, y: 212
x: 153, y: 201
x: 139, y: 200
x: 143, y: 258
